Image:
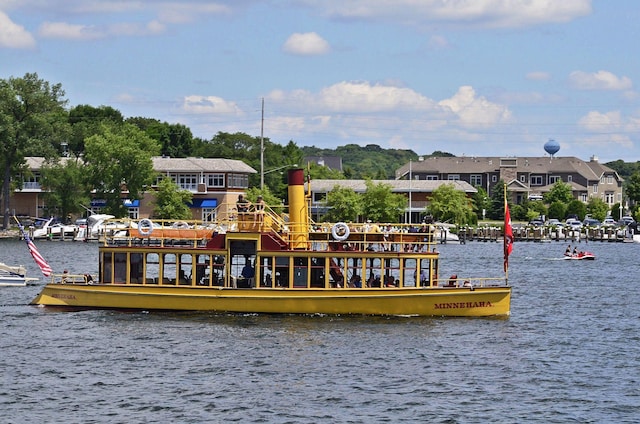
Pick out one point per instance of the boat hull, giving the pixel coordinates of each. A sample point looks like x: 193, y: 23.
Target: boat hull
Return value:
x: 462, y: 302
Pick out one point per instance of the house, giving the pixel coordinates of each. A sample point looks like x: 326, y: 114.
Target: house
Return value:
x: 212, y: 181
x: 526, y: 177
x: 417, y: 193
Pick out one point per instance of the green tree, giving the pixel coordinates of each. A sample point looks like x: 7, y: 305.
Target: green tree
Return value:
x: 632, y: 188
x: 576, y: 207
x: 496, y: 211
x: 560, y: 192
x: 171, y: 201
x: 86, y: 120
x: 450, y: 205
x: 344, y: 205
x: 597, y: 208
x: 67, y: 189
x: 32, y: 119
x: 481, y: 202
x: 176, y: 140
x: 557, y: 210
x: 120, y: 159
x: 380, y: 204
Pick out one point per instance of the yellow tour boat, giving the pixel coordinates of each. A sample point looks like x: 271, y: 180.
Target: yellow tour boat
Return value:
x: 261, y: 261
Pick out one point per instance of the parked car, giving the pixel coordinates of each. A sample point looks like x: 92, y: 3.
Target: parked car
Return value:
x: 554, y: 223
x: 626, y: 220
x: 536, y: 222
x: 609, y: 222
x: 573, y: 224
x: 591, y: 222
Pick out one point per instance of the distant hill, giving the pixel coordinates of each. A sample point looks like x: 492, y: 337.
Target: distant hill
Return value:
x: 370, y: 161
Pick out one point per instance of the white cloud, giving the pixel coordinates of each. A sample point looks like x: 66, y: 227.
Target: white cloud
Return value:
x: 478, y: 13
x: 474, y: 111
x: 210, y: 105
x: 13, y: 35
x: 538, y: 76
x: 66, y: 31
x: 62, y: 30
x: 609, y: 127
x: 306, y: 44
x: 601, y: 80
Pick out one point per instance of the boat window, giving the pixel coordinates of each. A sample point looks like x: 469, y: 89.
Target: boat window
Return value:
x: 120, y: 267
x: 107, y: 266
x: 266, y: 272
x: 152, y: 268
x: 136, y: 269
x: 426, y: 270
x: 410, y: 270
x: 186, y: 269
x: 392, y: 272
x: 169, y: 269
x: 282, y: 272
x: 317, y: 272
x: 300, y: 272
x: 373, y: 272
x: 354, y: 272
x: 202, y: 267
x: 218, y: 271
x: 336, y: 272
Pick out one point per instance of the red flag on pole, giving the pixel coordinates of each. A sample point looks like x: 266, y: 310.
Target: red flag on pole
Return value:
x: 508, y: 235
x: 37, y: 257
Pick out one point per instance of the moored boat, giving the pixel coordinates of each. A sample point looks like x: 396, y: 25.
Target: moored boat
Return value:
x: 260, y: 262
x: 14, y: 275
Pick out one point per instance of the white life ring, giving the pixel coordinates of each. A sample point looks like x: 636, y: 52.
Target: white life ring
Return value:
x: 145, y: 227
x: 340, y: 231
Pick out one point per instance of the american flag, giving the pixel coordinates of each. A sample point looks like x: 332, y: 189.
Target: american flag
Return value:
x: 37, y: 257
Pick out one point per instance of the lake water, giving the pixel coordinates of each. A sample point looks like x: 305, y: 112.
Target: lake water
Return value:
x: 569, y: 353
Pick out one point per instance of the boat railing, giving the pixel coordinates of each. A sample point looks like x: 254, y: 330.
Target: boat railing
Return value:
x: 68, y: 278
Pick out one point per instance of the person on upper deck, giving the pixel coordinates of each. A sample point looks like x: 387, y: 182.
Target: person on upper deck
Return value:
x: 242, y: 204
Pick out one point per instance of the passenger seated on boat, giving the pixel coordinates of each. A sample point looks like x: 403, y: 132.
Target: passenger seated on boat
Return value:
x: 389, y: 281
x: 88, y: 279
x: 247, y: 274
x: 355, y: 281
x: 575, y: 250
x: 567, y: 252
x: 453, y: 279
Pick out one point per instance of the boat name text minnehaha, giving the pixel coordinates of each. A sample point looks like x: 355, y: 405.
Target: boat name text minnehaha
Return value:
x: 461, y: 305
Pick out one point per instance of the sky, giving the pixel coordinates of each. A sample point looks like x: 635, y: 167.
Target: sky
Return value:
x: 467, y: 77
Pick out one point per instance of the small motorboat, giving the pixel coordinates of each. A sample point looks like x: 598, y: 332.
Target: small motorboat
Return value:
x: 581, y: 256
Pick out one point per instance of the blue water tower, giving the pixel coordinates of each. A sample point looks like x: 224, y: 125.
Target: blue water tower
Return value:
x: 552, y: 147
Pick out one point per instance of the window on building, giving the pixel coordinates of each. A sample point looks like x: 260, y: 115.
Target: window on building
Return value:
x: 319, y: 197
x: 208, y: 214
x: 569, y: 178
x: 583, y: 197
x: 609, y: 197
x: 431, y: 177
x: 554, y: 179
x: 215, y: 180
x: 475, y: 180
x: 31, y: 182
x: 523, y: 178
x: 134, y: 213
x: 609, y: 179
x: 595, y: 188
x: 188, y: 182
x: 453, y: 177
x: 238, y: 180
x: 494, y: 178
x: 536, y: 180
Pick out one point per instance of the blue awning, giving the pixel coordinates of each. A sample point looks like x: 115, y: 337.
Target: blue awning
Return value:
x: 132, y: 203
x: 204, y: 203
